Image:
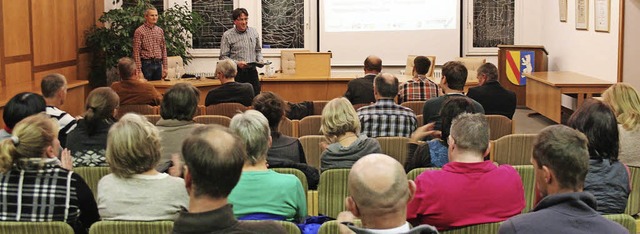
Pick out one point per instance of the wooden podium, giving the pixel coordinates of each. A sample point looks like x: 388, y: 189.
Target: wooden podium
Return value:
x: 513, y: 60
x: 313, y: 64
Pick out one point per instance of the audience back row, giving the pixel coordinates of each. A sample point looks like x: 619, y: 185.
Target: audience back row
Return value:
x: 133, y: 148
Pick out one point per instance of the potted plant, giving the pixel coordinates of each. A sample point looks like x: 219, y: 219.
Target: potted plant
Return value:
x: 114, y: 38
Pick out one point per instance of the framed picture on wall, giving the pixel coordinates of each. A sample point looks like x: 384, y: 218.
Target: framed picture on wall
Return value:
x: 563, y: 10
x: 582, y: 14
x: 602, y: 15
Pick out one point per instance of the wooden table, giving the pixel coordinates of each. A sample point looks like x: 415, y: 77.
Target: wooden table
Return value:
x: 545, y: 90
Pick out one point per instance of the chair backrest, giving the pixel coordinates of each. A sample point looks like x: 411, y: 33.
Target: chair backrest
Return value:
x: 332, y: 190
x: 213, y: 119
x: 288, y: 127
x: 413, y: 174
x: 172, y: 63
x: 153, y: 118
x: 140, y: 109
x: 409, y: 68
x: 478, y: 228
x: 35, y: 227
x: 310, y: 125
x: 633, y: 203
x: 290, y: 227
x: 288, y: 61
x: 396, y: 147
x: 514, y: 149
x: 298, y: 173
x: 527, y: 176
x: 623, y: 219
x: 333, y: 226
x: 312, y: 151
x: 92, y: 176
x: 500, y: 126
x: 228, y: 109
x: 472, y: 64
x: 318, y: 106
x: 202, y: 110
x: 420, y: 120
x: 131, y: 227
x: 415, y: 106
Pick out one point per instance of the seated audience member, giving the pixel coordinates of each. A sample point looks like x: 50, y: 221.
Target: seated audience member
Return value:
x: 341, y: 127
x: 360, y: 90
x: 35, y: 188
x: 495, y: 99
x: 213, y: 151
x: 179, y: 106
x: 378, y: 194
x: 608, y: 179
x: 385, y: 118
x: 624, y: 101
x: 230, y: 90
x: 561, y: 161
x: 454, y: 76
x: 133, y: 89
x: 88, y: 141
x: 54, y: 91
x: 135, y: 190
x: 435, y: 153
x: 468, y: 190
x: 19, y: 107
x: 419, y: 88
x: 262, y: 192
x: 285, y: 151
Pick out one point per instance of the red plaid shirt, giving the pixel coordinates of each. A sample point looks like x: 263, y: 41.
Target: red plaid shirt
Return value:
x: 418, y: 89
x: 148, y: 43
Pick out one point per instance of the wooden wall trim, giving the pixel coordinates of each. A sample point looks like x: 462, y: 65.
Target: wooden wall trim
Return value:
x: 52, y: 66
x: 621, y: 41
x: 33, y: 76
x: 18, y: 58
x: 3, y: 79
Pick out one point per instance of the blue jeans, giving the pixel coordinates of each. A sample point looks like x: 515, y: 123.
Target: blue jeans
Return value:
x: 152, y: 69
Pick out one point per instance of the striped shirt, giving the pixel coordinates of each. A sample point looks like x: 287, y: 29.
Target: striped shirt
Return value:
x: 418, y: 89
x: 65, y: 120
x: 387, y: 119
x: 241, y: 46
x: 149, y: 43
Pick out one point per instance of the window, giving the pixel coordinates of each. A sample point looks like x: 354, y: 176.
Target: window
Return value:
x: 283, y: 24
x: 217, y: 19
x: 489, y: 23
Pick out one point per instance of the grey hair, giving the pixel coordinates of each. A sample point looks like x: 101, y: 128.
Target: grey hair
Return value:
x: 253, y: 129
x: 471, y: 132
x: 228, y: 67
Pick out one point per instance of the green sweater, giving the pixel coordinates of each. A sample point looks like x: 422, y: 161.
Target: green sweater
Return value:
x: 269, y: 192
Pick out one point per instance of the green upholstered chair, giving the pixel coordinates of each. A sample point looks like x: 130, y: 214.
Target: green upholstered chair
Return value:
x: 297, y: 173
x: 331, y: 192
x: 213, y: 119
x: 333, y: 227
x: 396, y: 147
x: 413, y: 174
x: 499, y: 126
x: 415, y: 106
x: 140, y: 109
x: 92, y: 176
x: 623, y: 219
x: 528, y: 181
x: 514, y: 149
x: 633, y: 204
x: 35, y: 227
x: 228, y: 109
x: 479, y: 228
x: 312, y: 150
x: 131, y: 227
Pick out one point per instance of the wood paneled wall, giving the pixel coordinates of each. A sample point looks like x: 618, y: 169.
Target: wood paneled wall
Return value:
x: 38, y: 37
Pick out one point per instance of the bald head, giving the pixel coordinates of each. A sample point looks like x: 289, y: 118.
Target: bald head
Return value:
x: 373, y: 64
x: 379, y: 185
x: 386, y: 85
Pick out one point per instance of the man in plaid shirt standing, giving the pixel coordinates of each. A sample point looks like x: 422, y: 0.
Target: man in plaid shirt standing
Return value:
x: 149, y: 47
x: 420, y: 88
x: 385, y: 118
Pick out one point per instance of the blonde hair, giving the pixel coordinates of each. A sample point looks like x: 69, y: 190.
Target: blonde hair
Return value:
x: 624, y: 101
x: 338, y: 118
x: 33, y: 135
x: 133, y: 146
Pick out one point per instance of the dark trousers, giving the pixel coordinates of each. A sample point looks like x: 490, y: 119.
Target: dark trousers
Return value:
x: 152, y: 69
x: 249, y: 75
